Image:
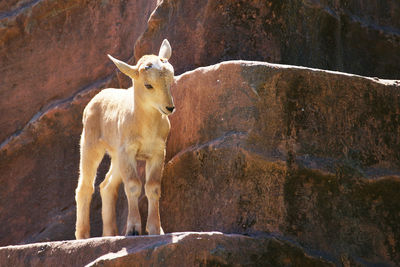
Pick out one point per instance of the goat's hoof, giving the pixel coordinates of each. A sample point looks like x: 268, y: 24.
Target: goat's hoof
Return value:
x: 147, y: 232
x: 132, y: 233
x: 82, y: 235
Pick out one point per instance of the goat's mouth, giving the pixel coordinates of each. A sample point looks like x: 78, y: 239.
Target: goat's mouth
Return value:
x: 164, y: 112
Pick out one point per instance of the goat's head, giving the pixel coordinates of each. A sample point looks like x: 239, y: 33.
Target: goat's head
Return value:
x: 153, y: 76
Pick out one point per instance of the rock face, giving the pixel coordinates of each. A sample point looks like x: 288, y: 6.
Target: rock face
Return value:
x: 306, y: 154
x: 178, y: 249
x: 311, y: 156
x: 53, y: 49
x: 39, y: 174
x: 349, y: 36
x: 53, y: 60
x: 254, y: 147
x: 290, y: 111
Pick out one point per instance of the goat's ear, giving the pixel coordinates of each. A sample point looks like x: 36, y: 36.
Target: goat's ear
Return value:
x: 127, y: 69
x: 165, y: 50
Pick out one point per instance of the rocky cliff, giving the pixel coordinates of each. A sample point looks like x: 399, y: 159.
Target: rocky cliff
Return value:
x: 349, y: 36
x: 53, y: 55
x: 308, y: 154
x: 305, y: 161
x: 51, y: 50
x: 302, y: 153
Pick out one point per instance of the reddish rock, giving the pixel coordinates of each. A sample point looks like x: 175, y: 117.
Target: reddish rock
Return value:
x: 178, y: 249
x: 350, y: 36
x: 39, y: 174
x: 39, y: 170
x: 53, y: 60
x: 223, y: 186
x: 50, y: 50
x: 309, y: 155
x: 304, y: 153
x: 292, y: 113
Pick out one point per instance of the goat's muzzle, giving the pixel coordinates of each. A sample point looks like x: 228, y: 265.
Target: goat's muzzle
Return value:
x: 170, y: 109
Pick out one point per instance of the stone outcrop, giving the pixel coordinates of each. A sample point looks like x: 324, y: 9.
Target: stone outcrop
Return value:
x: 289, y: 111
x: 349, y: 36
x: 178, y: 249
x: 305, y: 153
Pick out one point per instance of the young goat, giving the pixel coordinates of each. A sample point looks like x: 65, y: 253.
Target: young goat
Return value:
x: 129, y: 125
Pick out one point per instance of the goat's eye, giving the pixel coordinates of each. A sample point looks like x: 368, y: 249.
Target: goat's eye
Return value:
x: 148, y: 86
x: 148, y: 67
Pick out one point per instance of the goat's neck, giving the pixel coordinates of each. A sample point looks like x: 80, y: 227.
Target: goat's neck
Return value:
x: 144, y: 110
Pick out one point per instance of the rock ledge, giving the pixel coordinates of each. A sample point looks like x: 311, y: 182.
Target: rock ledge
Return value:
x: 176, y: 249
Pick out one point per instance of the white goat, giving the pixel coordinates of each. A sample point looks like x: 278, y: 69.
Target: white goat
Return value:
x: 129, y: 125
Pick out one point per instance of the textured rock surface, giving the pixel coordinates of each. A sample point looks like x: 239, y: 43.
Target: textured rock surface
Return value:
x: 309, y: 155
x: 254, y: 147
x: 344, y: 217
x: 305, y: 153
x: 350, y: 36
x: 52, y: 49
x: 290, y: 111
x: 39, y: 174
x: 178, y: 249
x: 53, y: 60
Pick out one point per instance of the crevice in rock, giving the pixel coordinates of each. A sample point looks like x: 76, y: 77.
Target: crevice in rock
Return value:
x: 386, y: 30
x: 19, y: 9
x: 97, y: 84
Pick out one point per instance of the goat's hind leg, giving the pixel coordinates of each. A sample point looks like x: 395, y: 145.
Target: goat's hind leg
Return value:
x: 109, y: 194
x: 91, y: 156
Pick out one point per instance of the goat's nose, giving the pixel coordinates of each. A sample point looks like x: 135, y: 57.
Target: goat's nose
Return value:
x: 170, y: 109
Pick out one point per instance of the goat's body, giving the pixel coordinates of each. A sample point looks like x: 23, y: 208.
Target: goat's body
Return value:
x: 129, y: 124
x: 111, y: 121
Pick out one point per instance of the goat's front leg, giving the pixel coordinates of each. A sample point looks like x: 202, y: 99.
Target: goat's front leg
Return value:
x: 154, y: 167
x: 133, y: 188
